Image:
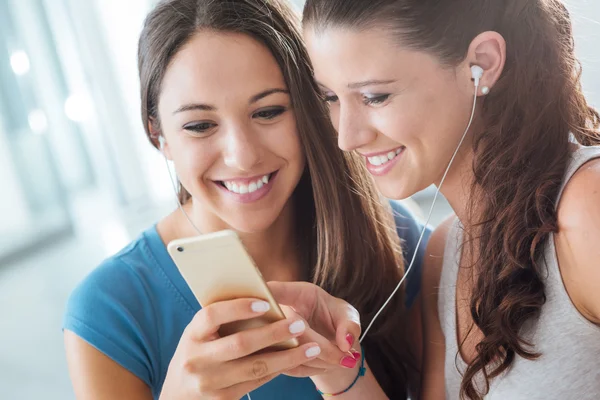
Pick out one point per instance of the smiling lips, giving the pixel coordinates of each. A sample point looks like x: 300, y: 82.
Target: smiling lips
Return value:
x: 384, y: 158
x: 243, y: 186
x: 380, y: 164
x: 248, y: 190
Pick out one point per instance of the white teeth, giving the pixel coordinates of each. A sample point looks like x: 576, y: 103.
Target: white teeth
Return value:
x: 380, y: 160
x: 250, y: 188
x: 374, y: 160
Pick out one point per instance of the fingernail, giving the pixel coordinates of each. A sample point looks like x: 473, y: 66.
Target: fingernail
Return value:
x: 260, y: 306
x: 355, y: 354
x: 313, y: 352
x: 350, y: 339
x: 297, y: 327
x: 348, y: 362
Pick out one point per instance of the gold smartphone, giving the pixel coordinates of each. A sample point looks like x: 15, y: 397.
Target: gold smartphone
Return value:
x: 217, y: 267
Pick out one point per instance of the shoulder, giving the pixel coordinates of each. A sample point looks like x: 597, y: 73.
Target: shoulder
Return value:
x: 113, y: 310
x: 578, y: 238
x: 581, y: 198
x: 116, y: 279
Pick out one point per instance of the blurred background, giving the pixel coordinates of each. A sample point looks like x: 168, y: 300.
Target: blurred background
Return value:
x: 78, y: 179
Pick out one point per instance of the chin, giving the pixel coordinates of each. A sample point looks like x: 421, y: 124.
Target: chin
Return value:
x: 396, y: 189
x: 254, y: 222
x: 250, y: 227
x: 390, y: 188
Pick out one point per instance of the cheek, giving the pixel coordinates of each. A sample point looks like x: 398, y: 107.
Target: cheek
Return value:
x: 193, y: 160
x: 285, y: 141
x: 400, y: 124
x: 448, y: 108
x: 334, y: 115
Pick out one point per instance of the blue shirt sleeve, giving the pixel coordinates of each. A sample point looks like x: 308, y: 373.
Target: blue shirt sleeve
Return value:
x: 111, y: 311
x: 409, y: 230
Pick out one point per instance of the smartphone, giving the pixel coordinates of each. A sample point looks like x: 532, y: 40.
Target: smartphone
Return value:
x: 217, y: 267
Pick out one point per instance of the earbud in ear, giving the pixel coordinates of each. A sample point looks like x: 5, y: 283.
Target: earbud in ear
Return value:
x: 476, y: 73
x: 161, y: 142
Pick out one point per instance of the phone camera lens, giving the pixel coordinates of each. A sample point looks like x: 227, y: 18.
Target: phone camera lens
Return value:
x: 180, y: 249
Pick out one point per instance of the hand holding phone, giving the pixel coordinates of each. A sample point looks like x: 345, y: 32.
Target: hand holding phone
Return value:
x: 222, y: 351
x: 206, y: 365
x: 217, y: 268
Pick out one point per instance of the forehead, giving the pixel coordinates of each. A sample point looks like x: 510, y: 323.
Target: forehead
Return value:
x: 214, y: 64
x: 342, y: 56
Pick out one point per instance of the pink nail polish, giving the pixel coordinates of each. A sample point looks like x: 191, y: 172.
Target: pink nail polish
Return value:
x: 350, y: 339
x: 355, y: 354
x: 348, y: 362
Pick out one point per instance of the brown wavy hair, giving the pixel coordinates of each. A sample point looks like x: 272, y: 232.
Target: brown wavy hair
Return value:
x: 521, y: 155
x: 347, y: 234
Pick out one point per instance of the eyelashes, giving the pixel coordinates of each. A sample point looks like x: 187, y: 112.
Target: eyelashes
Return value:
x: 269, y: 113
x: 200, y: 128
x: 374, y: 100
x: 370, y: 100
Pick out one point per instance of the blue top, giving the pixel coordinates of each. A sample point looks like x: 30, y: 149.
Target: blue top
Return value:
x: 135, y: 306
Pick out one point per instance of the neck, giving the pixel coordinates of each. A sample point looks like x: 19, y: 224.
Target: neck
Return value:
x: 273, y: 250
x: 457, y: 188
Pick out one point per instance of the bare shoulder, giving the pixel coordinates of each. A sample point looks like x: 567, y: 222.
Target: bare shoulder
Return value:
x: 580, y: 199
x: 578, y: 238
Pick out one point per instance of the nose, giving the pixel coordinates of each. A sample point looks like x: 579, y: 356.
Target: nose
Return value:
x: 354, y: 130
x: 243, y: 149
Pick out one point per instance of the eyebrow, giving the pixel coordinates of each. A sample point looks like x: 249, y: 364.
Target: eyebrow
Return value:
x: 371, y: 82
x: 208, y: 107
x: 266, y: 93
x: 195, y: 106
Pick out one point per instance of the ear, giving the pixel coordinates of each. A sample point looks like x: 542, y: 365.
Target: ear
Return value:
x: 158, y: 138
x: 488, y: 50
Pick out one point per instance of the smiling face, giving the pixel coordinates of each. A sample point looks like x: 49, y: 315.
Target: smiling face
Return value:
x: 229, y: 128
x: 401, y: 109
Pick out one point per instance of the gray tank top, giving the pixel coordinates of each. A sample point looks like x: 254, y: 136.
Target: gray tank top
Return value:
x: 569, y: 366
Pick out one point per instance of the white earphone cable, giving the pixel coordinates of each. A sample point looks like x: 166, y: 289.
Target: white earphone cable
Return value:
x: 437, y: 192
x: 177, y: 195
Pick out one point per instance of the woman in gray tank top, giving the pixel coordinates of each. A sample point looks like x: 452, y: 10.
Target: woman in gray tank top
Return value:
x: 483, y: 99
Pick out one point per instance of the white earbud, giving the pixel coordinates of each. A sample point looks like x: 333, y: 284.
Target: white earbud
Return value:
x: 161, y: 142
x: 476, y: 73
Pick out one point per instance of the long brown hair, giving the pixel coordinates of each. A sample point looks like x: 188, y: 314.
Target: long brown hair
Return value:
x: 521, y: 155
x: 349, y: 240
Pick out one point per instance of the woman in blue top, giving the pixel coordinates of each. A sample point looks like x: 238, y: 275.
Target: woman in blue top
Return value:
x: 227, y: 90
